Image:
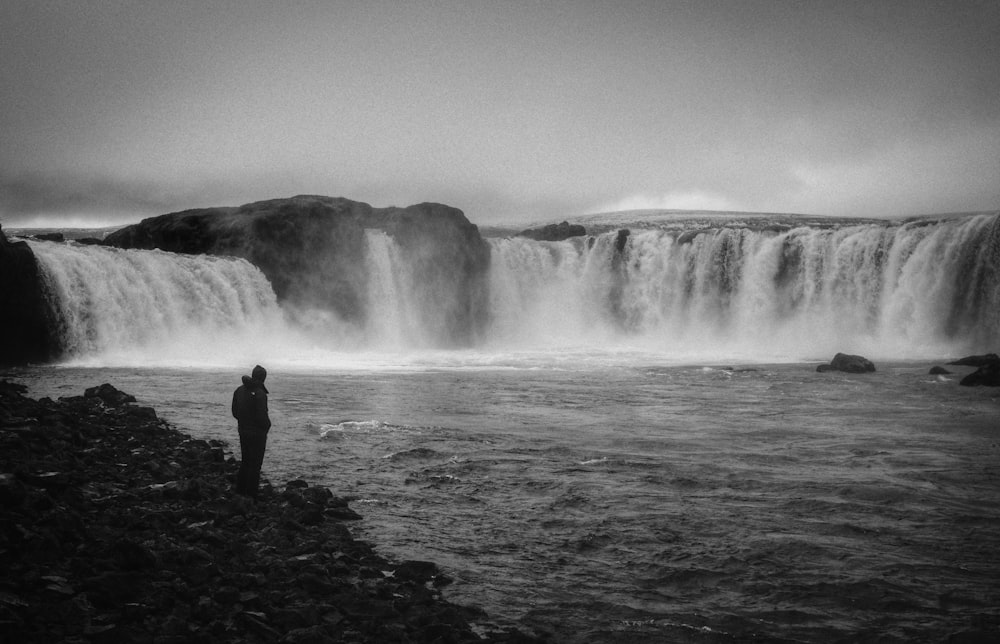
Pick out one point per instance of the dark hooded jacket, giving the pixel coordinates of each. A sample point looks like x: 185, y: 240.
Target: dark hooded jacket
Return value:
x: 250, y: 403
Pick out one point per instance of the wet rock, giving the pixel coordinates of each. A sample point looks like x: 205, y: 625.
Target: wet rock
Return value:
x: 310, y: 515
x: 416, y: 571
x: 622, y: 239
x: 987, y: 375
x: 109, y: 395
x: 938, y: 371
x: 142, y: 413
x: 117, y: 527
x: 12, y: 492
x: 318, y: 495
x: 343, y: 514
x: 28, y: 332
x: 307, y: 635
x: 848, y: 363
x: 130, y: 555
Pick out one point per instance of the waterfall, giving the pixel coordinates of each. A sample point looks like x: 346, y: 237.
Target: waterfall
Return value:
x: 914, y: 289
x: 550, y: 294
x: 128, y: 305
x: 924, y: 288
x: 394, y: 305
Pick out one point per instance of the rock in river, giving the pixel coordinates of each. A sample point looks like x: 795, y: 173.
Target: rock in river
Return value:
x: 849, y: 364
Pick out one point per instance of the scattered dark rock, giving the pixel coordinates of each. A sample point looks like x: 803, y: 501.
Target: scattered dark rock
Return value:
x: 416, y: 571
x: 554, y: 232
x: 848, y: 363
x: 116, y: 527
x: 939, y: 371
x: 111, y: 396
x: 976, y: 361
x: 987, y: 375
x: 52, y: 237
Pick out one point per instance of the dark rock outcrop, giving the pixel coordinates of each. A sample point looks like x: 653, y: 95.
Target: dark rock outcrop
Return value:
x: 27, y: 332
x: 987, y: 375
x: 554, y: 232
x: 52, y: 237
x: 312, y: 249
x: 976, y: 361
x: 449, y: 262
x: 622, y: 239
x: 848, y: 363
x: 117, y: 527
x: 938, y: 371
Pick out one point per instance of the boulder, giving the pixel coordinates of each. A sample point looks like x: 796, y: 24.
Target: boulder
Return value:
x: 110, y: 395
x: 976, y: 361
x: 939, y: 371
x: 848, y: 363
x: 987, y: 375
x: 554, y: 232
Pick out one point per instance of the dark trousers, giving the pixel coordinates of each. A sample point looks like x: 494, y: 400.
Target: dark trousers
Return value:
x: 252, y: 446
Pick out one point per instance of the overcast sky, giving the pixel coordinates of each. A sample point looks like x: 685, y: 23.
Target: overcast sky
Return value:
x: 511, y: 111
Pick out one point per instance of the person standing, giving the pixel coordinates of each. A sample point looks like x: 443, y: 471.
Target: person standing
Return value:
x: 250, y: 412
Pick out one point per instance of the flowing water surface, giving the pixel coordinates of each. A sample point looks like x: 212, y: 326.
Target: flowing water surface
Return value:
x: 559, y: 449
x: 607, y: 500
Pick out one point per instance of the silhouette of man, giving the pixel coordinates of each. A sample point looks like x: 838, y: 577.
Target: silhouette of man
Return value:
x: 250, y: 411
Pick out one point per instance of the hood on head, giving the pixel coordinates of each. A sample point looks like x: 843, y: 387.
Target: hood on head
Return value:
x: 256, y: 378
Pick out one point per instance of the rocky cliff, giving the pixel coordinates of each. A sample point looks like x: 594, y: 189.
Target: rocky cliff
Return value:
x: 313, y: 251
x: 26, y: 327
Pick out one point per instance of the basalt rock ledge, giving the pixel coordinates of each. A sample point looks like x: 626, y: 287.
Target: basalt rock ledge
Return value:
x: 313, y: 248
x: 27, y: 330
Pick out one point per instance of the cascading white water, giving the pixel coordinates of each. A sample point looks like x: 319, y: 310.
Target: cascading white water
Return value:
x: 394, y: 316
x: 920, y: 289
x: 550, y: 294
x: 917, y: 289
x: 131, y: 305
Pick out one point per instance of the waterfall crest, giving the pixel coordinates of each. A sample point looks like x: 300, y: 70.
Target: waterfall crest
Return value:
x: 914, y: 289
x: 901, y: 290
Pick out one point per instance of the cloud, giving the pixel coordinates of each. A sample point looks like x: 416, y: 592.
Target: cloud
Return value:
x: 673, y: 200
x: 34, y: 199
x: 953, y: 171
x: 545, y: 110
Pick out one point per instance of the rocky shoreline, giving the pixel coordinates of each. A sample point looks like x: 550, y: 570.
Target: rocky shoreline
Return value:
x: 119, y: 528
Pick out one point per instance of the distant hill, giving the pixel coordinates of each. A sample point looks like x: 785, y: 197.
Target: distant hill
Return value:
x: 687, y: 220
